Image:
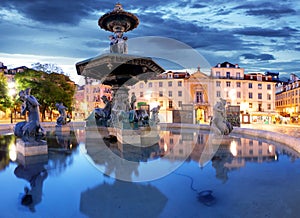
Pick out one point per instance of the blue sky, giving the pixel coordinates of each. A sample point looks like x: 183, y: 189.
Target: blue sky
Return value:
x: 257, y: 35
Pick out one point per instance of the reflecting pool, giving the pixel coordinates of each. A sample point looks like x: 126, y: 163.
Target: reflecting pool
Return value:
x: 178, y: 175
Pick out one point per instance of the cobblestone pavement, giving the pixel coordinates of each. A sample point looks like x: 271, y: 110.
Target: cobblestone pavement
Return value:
x: 292, y: 130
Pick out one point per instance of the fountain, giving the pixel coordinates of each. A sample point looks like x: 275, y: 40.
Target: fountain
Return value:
x: 119, y: 70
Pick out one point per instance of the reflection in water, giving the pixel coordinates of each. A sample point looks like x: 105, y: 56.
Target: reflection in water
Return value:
x: 122, y: 199
x: 35, y: 174
x: 7, y: 150
x: 60, y: 148
x: 233, y: 153
x: 35, y: 169
x: 225, y: 154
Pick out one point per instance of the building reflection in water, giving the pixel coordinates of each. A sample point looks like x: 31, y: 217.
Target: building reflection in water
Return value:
x: 232, y: 153
x: 36, y: 169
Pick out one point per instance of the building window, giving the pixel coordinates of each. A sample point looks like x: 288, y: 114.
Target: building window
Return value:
x: 170, y: 93
x: 259, y: 86
x: 179, y: 103
x: 161, y: 94
x: 179, y: 83
x: 170, y: 83
x: 259, y: 95
x: 269, y: 106
x: 250, y: 85
x: 161, y: 103
x: 179, y: 93
x: 171, y: 141
x: 238, y: 94
x: 227, y: 84
x: 269, y: 97
x: 238, y: 84
x: 218, y: 94
x: 238, y: 75
x: 269, y: 86
x: 228, y: 75
x: 150, y: 85
x: 250, y: 95
x: 218, y: 74
x: 199, y: 97
x: 160, y: 84
x: 141, y: 94
x: 250, y: 105
x: 218, y: 83
x: 170, y: 104
x: 141, y: 85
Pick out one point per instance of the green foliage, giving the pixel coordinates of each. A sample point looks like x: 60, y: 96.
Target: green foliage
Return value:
x: 4, y: 98
x: 49, y: 89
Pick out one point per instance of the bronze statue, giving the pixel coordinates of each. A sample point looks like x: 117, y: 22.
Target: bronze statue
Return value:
x: 62, y: 119
x: 30, y: 130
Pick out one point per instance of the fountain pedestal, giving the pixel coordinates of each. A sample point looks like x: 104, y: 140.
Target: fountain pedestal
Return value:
x: 31, y: 152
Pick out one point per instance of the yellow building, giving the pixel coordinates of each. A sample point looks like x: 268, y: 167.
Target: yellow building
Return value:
x: 199, y: 87
x: 169, y: 90
x: 254, y: 93
x: 288, y: 100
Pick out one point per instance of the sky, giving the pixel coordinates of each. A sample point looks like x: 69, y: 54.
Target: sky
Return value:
x: 259, y: 35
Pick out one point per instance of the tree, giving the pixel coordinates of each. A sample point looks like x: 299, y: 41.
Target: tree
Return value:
x: 49, y: 89
x: 4, y: 98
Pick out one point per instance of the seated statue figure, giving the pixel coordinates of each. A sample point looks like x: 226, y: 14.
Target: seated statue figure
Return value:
x: 219, y: 124
x: 30, y: 130
x: 154, y: 116
x: 62, y: 119
x: 102, y: 115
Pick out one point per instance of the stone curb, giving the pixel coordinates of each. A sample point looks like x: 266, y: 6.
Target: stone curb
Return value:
x: 10, y: 127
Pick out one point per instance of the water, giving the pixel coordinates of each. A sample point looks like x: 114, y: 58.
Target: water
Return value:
x: 92, y: 178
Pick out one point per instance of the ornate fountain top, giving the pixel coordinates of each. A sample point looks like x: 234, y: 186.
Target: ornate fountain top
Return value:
x: 118, y: 20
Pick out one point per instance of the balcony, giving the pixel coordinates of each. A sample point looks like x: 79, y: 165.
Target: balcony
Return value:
x: 201, y: 103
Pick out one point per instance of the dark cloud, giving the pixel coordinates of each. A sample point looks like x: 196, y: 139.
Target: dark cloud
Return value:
x: 260, y: 57
x: 267, y: 9
x: 271, y: 13
x: 192, y: 34
x: 265, y: 32
x: 198, y: 5
x: 54, y: 11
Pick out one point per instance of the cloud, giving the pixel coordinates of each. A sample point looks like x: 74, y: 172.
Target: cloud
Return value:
x: 260, y: 57
x: 267, y: 9
x: 52, y: 12
x: 265, y: 32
